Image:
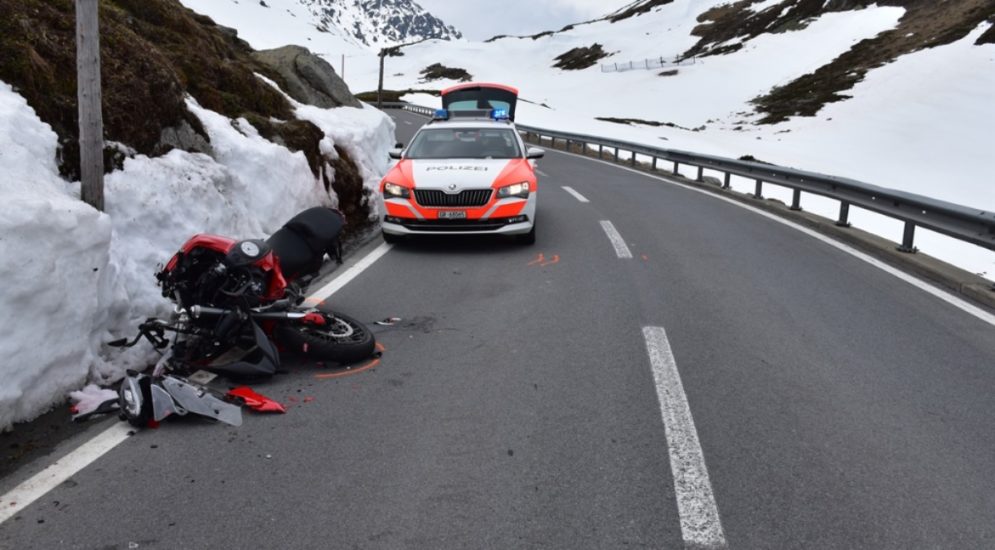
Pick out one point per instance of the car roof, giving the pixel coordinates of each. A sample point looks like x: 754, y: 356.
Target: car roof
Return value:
x: 469, y: 123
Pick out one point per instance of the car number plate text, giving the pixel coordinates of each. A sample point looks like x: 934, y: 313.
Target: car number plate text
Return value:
x: 452, y: 215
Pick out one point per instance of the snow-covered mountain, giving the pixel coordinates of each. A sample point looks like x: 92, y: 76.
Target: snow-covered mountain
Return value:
x: 379, y: 23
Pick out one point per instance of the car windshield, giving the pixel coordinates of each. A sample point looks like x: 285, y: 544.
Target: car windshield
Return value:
x: 464, y: 143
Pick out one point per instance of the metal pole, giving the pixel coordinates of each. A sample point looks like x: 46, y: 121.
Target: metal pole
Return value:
x: 343, y: 67
x: 676, y: 168
x: 654, y: 163
x: 725, y: 183
x: 616, y: 154
x: 701, y: 174
x: 796, y: 200
x: 383, y: 54
x: 633, y: 160
x: 601, y: 151
x: 908, y: 239
x: 844, y: 220
x: 758, y: 192
x: 91, y: 122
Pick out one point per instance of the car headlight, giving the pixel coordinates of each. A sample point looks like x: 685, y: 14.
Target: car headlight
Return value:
x: 520, y: 190
x: 395, y: 191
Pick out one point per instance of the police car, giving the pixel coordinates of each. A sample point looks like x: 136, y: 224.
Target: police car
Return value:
x: 465, y: 172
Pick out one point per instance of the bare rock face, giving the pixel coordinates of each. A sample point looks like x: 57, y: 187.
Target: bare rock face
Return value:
x: 307, y: 77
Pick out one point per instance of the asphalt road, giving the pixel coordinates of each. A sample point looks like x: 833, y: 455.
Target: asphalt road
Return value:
x: 516, y: 406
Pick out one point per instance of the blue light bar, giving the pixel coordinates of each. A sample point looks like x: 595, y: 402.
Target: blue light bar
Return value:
x: 441, y: 114
x: 499, y: 114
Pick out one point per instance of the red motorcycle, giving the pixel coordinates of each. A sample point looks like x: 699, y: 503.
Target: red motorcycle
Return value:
x: 238, y: 304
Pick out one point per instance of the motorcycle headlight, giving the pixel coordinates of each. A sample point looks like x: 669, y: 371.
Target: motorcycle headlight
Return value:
x: 395, y: 191
x: 520, y: 190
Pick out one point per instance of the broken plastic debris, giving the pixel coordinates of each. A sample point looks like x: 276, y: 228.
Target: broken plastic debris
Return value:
x: 390, y: 321
x: 255, y: 401
x: 92, y: 400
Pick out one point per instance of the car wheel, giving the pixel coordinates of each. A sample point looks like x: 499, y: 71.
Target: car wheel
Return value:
x: 529, y: 238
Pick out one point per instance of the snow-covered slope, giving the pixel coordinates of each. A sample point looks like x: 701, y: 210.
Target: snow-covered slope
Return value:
x: 918, y: 123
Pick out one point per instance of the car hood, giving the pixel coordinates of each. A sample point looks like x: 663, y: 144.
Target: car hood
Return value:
x: 464, y: 173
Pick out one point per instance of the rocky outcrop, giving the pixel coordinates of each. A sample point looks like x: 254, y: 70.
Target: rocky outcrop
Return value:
x: 308, y: 78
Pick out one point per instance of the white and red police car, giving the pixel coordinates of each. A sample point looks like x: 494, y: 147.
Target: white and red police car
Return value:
x: 465, y: 172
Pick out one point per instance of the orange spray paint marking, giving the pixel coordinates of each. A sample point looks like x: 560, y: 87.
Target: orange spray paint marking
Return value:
x: 554, y: 260
x: 539, y: 259
x: 645, y: 257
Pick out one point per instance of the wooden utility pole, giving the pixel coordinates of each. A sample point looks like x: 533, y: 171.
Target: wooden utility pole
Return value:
x: 91, y: 121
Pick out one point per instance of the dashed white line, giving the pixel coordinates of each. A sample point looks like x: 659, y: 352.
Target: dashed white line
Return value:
x: 699, y: 515
x: 947, y: 297
x: 575, y: 194
x: 408, y: 122
x: 37, y: 486
x: 44, y: 481
x: 541, y: 173
x: 616, y: 239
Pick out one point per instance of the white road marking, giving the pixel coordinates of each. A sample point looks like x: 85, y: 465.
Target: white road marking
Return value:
x: 541, y: 173
x: 700, y: 523
x: 576, y: 195
x: 947, y: 297
x: 408, y: 122
x: 348, y: 275
x: 50, y: 478
x: 616, y: 239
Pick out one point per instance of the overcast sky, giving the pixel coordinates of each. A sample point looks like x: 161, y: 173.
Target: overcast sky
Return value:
x: 482, y: 19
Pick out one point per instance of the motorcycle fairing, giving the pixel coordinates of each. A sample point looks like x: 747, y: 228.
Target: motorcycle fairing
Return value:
x: 188, y: 398
x: 255, y: 401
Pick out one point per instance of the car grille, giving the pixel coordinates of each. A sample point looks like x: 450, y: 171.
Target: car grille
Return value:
x: 468, y: 197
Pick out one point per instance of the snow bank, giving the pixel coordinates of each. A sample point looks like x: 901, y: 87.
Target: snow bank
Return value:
x: 53, y: 264
x: 82, y: 278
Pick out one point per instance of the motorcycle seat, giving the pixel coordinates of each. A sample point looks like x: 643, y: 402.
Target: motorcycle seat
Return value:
x: 300, y: 245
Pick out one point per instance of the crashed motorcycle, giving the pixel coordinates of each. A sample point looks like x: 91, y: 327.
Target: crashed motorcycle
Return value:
x: 238, y: 304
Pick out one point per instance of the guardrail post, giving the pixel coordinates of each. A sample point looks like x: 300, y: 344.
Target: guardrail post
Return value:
x: 844, y: 220
x: 654, y: 164
x: 633, y: 160
x: 677, y: 167
x: 725, y: 182
x: 701, y: 174
x: 796, y: 200
x: 616, y: 154
x: 908, y: 238
x: 758, y: 192
x: 601, y: 151
x: 569, y: 145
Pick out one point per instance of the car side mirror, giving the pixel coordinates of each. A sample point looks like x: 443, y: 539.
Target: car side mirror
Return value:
x: 395, y: 153
x: 535, y: 153
x: 399, y: 145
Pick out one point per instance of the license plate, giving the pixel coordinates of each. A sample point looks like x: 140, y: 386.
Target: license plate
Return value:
x: 452, y: 215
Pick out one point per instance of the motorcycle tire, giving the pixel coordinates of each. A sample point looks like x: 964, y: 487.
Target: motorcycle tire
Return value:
x: 138, y: 410
x: 344, y: 340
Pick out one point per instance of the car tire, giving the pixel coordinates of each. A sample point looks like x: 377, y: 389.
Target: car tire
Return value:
x: 527, y: 239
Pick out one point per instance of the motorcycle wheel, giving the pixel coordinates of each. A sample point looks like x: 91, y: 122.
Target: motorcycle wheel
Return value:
x: 136, y: 409
x: 342, y: 340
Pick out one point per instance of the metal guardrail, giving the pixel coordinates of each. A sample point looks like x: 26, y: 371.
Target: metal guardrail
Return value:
x: 960, y: 222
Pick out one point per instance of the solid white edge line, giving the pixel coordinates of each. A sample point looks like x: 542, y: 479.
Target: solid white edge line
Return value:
x: 348, y: 275
x: 41, y: 483
x: 58, y: 472
x: 947, y: 297
x: 699, y: 515
x: 575, y: 194
x: 621, y: 249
